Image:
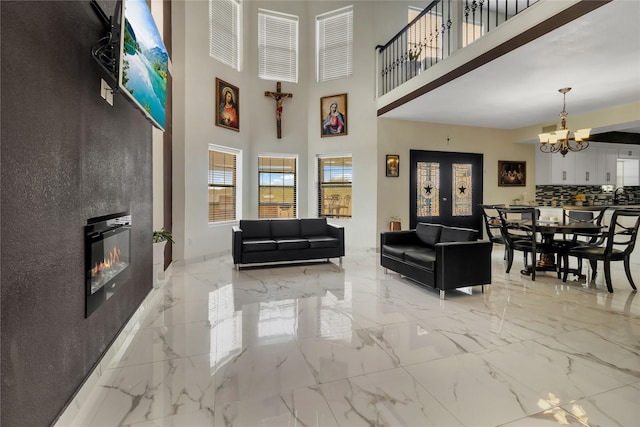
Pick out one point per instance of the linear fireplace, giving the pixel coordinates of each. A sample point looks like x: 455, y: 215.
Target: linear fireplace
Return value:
x: 107, y: 257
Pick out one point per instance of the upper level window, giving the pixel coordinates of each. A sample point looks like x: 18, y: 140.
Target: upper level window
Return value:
x: 277, y: 181
x: 277, y: 46
x: 224, y: 31
x: 424, y: 38
x: 471, y: 32
x: 222, y: 183
x: 334, y: 44
x: 335, y: 178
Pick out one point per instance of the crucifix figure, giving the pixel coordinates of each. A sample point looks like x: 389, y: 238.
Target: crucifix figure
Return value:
x: 279, y: 96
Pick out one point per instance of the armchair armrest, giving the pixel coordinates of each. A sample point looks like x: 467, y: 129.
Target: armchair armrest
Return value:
x: 236, y: 244
x: 460, y: 264
x: 337, y: 231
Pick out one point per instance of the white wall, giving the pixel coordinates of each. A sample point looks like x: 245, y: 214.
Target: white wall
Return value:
x: 400, y: 136
x: 157, y: 140
x: 262, y: 129
x: 361, y: 141
x: 194, y: 129
x: 194, y: 113
x: 369, y: 139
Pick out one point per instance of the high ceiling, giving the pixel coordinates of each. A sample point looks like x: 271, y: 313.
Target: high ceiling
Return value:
x: 598, y: 55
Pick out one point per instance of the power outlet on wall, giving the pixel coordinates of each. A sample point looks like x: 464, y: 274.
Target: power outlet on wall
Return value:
x: 106, y: 92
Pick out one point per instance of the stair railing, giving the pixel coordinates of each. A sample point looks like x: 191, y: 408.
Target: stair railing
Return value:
x: 442, y: 28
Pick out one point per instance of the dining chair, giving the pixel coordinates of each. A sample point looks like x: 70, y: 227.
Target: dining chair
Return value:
x: 580, y: 214
x: 619, y: 242
x: 520, y: 234
x: 346, y: 204
x: 333, y: 202
x: 594, y: 214
x: 492, y: 225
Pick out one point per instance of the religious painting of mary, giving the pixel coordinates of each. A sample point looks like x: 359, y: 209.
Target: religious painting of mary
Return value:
x: 228, y: 111
x: 333, y: 115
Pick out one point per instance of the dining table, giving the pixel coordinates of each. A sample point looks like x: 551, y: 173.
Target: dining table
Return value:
x: 549, y: 229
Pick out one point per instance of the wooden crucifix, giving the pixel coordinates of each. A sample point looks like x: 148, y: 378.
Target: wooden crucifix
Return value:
x: 279, y: 96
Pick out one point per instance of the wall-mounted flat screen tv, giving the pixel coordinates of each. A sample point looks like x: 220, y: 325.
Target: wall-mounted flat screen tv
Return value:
x: 144, y: 61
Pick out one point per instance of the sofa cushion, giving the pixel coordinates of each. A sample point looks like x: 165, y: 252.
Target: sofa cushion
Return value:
x: 255, y: 228
x: 285, y: 227
x: 285, y: 244
x: 313, y: 227
x: 258, y: 245
x: 323, y: 242
x: 424, y: 258
x: 455, y: 234
x: 397, y: 251
x: 429, y: 234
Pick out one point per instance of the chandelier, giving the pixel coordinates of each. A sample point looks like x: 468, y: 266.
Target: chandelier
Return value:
x: 560, y: 141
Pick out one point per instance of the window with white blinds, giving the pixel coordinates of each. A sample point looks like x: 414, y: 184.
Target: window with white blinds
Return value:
x: 277, y: 184
x: 335, y: 180
x: 424, y: 40
x: 334, y: 44
x: 277, y: 46
x: 224, y: 31
x: 222, y: 183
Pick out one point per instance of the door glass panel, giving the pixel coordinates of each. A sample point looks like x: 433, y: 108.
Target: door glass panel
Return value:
x: 428, y: 189
x: 462, y: 189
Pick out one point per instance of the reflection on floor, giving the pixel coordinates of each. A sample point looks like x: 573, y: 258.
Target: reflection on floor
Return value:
x: 317, y: 345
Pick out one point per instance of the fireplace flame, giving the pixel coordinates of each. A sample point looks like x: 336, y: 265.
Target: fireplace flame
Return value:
x: 105, y: 264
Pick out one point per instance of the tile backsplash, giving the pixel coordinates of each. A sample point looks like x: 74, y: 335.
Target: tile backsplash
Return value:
x: 561, y: 195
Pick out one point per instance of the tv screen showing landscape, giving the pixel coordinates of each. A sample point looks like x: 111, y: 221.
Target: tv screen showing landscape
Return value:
x: 144, y: 61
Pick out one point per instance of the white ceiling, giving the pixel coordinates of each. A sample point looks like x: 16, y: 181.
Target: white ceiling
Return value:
x: 598, y: 55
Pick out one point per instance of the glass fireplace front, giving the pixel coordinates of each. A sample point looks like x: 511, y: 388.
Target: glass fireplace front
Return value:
x: 107, y: 257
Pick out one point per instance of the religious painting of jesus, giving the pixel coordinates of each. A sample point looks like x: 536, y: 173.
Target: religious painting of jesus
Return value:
x: 333, y: 115
x: 228, y: 105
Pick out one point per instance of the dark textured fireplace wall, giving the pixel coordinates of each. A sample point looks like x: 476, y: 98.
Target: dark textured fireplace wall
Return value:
x: 66, y: 156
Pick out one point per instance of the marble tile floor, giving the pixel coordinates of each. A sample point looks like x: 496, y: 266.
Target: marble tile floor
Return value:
x: 320, y: 345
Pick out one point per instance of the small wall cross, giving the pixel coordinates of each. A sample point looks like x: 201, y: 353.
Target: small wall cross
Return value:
x: 279, y: 96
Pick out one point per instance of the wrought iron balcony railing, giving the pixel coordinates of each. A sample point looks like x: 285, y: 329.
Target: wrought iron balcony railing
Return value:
x: 435, y: 33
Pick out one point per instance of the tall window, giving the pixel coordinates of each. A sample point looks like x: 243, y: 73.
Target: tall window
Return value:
x: 277, y: 181
x: 334, y: 44
x: 424, y: 39
x: 471, y: 31
x: 222, y: 183
x: 224, y: 31
x: 335, y: 178
x: 277, y: 46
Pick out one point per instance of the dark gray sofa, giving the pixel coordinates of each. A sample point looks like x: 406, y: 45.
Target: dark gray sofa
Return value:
x: 438, y: 256
x: 280, y: 240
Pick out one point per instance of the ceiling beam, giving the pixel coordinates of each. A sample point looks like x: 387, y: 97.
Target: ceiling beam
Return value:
x: 617, y: 137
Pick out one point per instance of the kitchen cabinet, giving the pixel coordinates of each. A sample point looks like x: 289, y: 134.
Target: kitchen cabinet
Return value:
x: 597, y: 165
x: 553, y: 169
x: 628, y: 152
x: 586, y: 165
x: 543, y: 168
x: 563, y: 169
x: 607, y: 165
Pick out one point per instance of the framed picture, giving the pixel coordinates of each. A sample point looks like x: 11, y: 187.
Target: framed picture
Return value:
x: 228, y: 105
x: 393, y: 165
x: 512, y: 174
x: 333, y: 115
